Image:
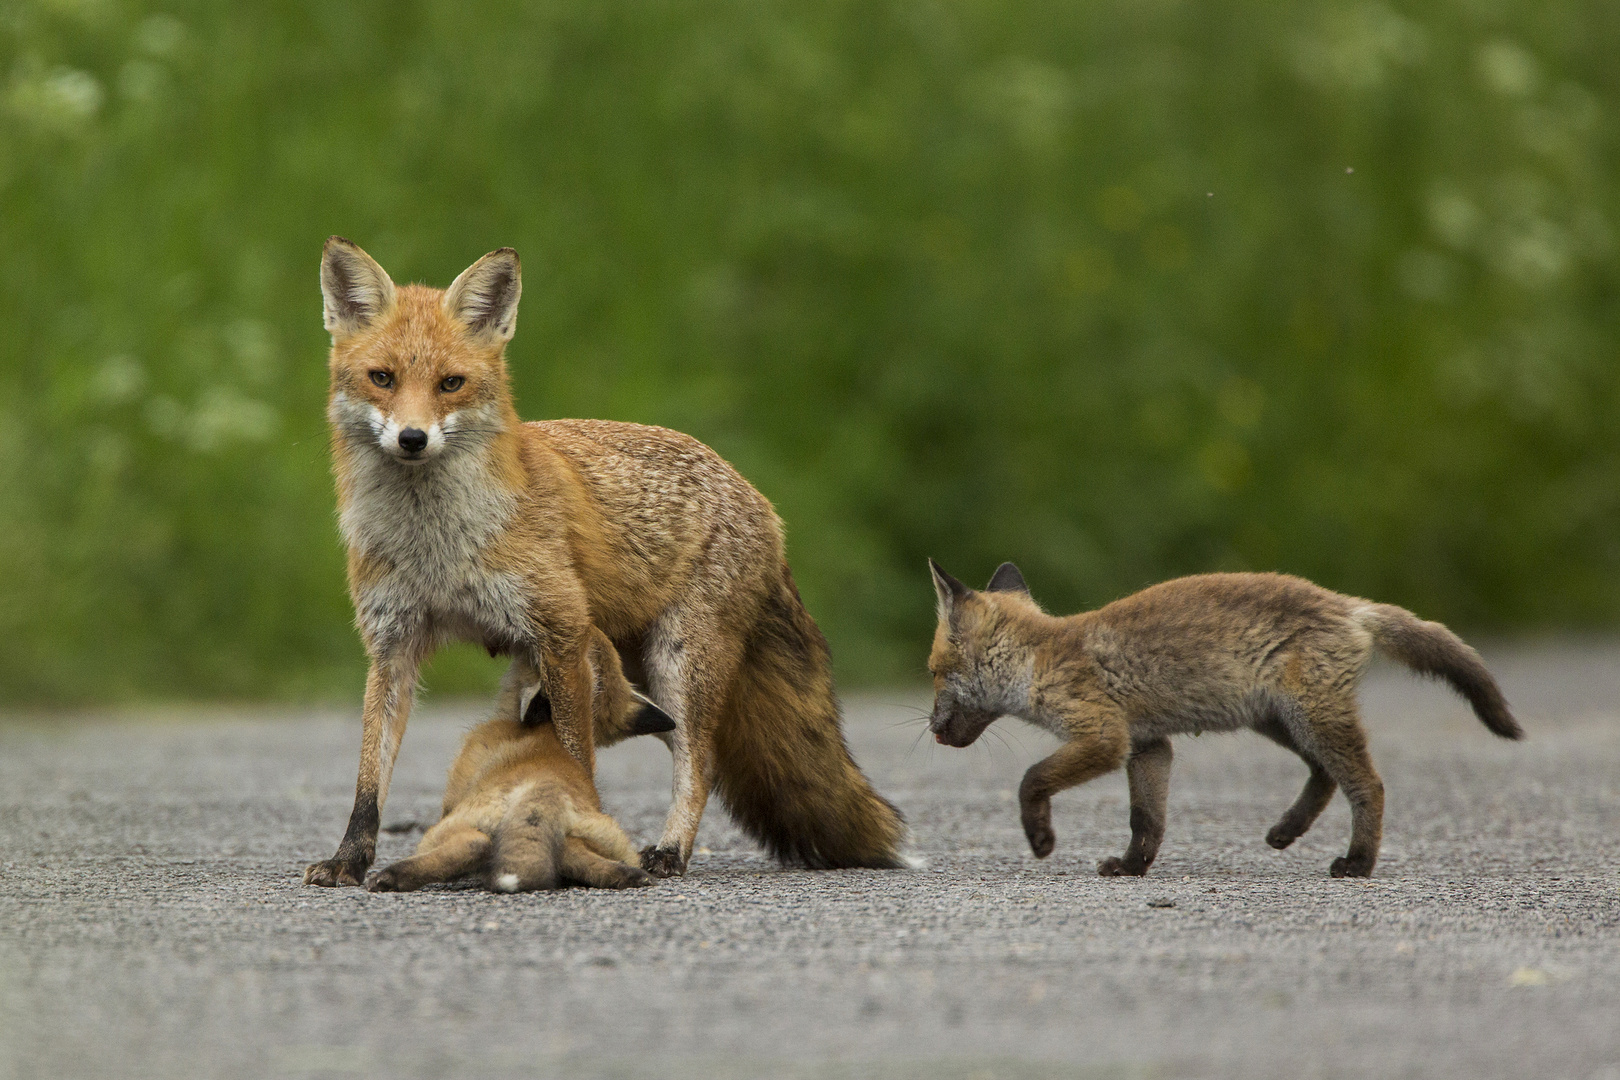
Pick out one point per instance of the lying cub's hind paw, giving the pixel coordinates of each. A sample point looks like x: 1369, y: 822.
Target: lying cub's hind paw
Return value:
x: 1351, y: 867
x: 662, y: 862
x: 632, y: 877
x: 384, y: 881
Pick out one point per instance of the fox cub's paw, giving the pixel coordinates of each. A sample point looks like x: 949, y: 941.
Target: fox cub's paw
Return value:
x: 333, y: 872
x: 1280, y: 837
x: 662, y: 862
x: 386, y: 881
x: 1351, y: 866
x: 1114, y: 866
x: 1038, y: 827
x: 625, y: 876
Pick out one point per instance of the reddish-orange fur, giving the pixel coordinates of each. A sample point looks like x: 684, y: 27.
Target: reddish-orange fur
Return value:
x: 522, y: 536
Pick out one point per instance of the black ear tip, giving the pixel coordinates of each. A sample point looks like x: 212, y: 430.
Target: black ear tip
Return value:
x: 650, y: 720
x: 1007, y: 578
x: 538, y: 712
x: 951, y: 583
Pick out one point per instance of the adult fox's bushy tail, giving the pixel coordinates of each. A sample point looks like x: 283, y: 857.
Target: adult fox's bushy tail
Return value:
x: 782, y: 765
x: 1428, y: 648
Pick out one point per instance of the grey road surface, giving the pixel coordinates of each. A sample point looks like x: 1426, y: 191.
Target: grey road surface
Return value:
x: 153, y: 924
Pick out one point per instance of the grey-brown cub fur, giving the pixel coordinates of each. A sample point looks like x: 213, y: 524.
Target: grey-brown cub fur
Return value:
x: 1214, y: 652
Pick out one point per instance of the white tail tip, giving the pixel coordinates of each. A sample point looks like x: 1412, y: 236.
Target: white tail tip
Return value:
x: 506, y: 883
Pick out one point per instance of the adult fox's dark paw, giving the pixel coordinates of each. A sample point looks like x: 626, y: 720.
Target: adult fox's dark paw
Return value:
x: 662, y: 862
x: 334, y: 872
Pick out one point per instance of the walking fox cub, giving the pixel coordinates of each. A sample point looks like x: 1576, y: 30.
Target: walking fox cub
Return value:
x: 1215, y: 652
x: 464, y: 524
x: 523, y: 811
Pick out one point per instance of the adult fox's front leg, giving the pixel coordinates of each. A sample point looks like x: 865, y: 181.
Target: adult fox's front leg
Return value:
x: 389, y: 686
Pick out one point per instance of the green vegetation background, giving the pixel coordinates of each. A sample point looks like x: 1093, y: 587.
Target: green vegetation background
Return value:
x: 1119, y: 290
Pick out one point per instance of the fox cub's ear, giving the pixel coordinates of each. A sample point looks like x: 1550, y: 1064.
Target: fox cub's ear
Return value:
x: 1007, y: 579
x: 484, y: 298
x: 648, y: 719
x: 947, y: 589
x: 354, y: 289
x: 538, y: 710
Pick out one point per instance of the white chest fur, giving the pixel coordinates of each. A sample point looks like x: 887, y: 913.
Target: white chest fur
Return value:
x: 430, y: 526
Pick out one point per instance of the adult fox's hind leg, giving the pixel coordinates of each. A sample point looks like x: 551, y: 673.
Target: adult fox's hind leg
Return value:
x: 460, y: 851
x: 689, y: 676
x: 1313, y: 798
x: 1148, y: 772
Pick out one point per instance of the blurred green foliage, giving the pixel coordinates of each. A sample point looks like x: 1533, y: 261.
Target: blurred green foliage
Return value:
x: 1119, y: 290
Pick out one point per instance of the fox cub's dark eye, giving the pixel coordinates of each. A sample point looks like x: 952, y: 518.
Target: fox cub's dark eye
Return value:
x: 382, y: 379
x: 453, y: 383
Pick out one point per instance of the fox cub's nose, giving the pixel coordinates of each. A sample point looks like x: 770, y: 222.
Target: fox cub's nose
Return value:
x: 413, y: 440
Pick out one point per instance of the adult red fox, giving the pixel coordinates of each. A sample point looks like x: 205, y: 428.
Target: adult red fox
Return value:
x: 464, y: 524
x: 1215, y: 652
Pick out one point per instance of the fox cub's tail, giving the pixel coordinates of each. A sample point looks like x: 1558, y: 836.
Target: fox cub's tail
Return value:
x: 527, y: 852
x: 784, y: 769
x: 1428, y: 648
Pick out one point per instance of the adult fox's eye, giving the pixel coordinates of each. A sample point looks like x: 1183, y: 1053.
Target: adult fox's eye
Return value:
x: 453, y: 383
x: 382, y: 379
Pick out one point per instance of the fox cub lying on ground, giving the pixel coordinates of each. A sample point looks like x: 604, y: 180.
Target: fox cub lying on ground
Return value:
x: 1215, y: 652
x: 519, y: 808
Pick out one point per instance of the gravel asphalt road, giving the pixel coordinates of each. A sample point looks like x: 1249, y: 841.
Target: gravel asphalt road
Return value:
x: 153, y: 924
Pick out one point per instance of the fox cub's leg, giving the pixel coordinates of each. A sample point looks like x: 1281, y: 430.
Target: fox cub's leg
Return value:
x: 581, y: 864
x: 1317, y: 793
x: 1075, y: 762
x: 459, y: 851
x: 1148, y: 770
x: 690, y: 671
x: 1339, y: 743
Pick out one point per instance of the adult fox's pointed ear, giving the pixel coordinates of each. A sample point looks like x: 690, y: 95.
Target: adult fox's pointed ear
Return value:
x: 947, y: 589
x: 484, y: 298
x: 355, y: 291
x: 648, y: 718
x: 1007, y: 579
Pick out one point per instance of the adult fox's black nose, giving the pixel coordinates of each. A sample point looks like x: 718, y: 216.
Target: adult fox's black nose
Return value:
x: 413, y: 440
